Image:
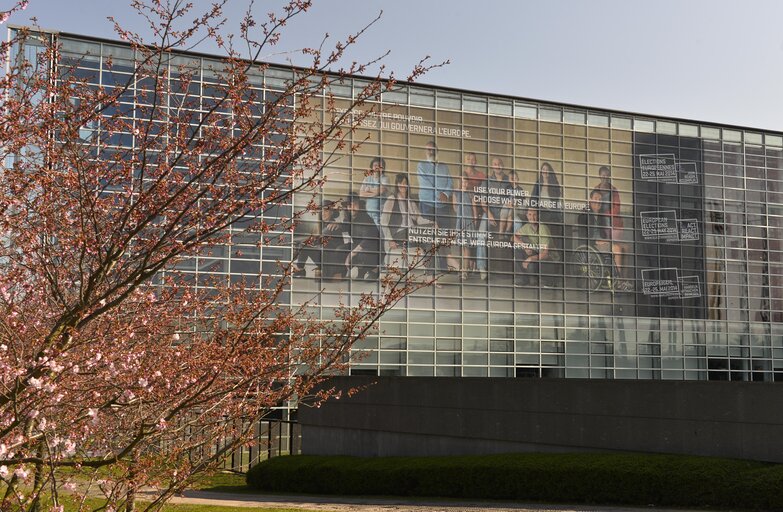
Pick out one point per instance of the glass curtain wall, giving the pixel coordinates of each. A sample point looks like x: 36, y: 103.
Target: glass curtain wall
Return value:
x: 571, y: 242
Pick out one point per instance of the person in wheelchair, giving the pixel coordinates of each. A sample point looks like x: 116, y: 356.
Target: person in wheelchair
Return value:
x: 599, y: 234
x: 531, y: 247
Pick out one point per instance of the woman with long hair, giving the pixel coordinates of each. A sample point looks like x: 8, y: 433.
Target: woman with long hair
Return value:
x: 547, y: 186
x: 400, y: 213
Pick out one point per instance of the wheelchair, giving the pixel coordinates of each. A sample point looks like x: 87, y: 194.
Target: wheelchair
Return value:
x: 596, y: 267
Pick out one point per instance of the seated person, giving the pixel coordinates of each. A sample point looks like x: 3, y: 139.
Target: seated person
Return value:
x: 611, y: 203
x: 336, y: 233
x: 599, y: 234
x: 508, y: 212
x: 315, y: 238
x: 364, y: 249
x: 532, y: 242
x: 400, y: 213
x: 599, y: 228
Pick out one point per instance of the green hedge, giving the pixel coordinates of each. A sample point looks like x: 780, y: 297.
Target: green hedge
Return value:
x: 622, y: 479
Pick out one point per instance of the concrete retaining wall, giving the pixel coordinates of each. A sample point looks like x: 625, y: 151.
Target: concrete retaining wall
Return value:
x: 449, y: 416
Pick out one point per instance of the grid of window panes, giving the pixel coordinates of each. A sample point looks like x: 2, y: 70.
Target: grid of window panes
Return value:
x: 555, y: 322
x: 114, y: 65
x: 469, y: 326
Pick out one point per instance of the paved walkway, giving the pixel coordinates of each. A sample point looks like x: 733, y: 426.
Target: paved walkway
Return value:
x: 369, y: 504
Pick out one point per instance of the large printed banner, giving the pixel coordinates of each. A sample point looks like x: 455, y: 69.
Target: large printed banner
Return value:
x: 515, y: 203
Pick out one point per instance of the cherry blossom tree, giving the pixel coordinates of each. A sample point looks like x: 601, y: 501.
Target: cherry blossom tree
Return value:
x: 117, y: 369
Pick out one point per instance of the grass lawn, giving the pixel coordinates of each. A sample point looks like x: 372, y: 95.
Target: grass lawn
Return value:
x: 219, y: 482
x: 71, y: 506
x: 224, y: 482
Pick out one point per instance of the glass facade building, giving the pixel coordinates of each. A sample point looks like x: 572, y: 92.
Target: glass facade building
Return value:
x: 577, y: 242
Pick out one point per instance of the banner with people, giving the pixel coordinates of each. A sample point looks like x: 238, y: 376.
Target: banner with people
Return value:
x: 518, y: 204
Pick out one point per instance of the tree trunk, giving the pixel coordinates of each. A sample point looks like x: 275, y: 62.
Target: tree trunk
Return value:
x: 38, y: 481
x: 130, y: 496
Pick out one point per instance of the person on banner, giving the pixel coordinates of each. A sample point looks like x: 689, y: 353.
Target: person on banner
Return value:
x: 465, y: 228
x: 435, y: 194
x: 611, y: 204
x: 599, y: 226
x: 547, y: 190
x: 508, y: 215
x: 316, y: 238
x: 364, y: 249
x: 374, y: 188
x: 400, y: 213
x: 547, y: 196
x: 498, y: 194
x: 336, y: 232
x: 435, y: 188
x: 611, y: 201
x: 474, y: 180
x: 599, y: 234
x: 532, y: 243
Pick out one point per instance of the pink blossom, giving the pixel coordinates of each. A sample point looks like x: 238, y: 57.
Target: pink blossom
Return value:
x: 54, y: 366
x: 69, y: 447
x: 98, y: 354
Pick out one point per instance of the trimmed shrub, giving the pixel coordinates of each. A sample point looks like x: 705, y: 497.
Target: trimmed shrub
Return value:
x: 621, y: 479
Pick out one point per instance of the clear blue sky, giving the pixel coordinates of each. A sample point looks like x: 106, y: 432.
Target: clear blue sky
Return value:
x: 709, y: 60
